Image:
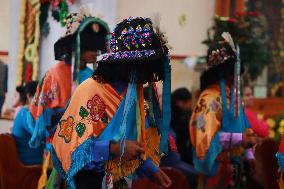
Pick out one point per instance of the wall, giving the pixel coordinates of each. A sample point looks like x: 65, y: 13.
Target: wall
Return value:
x: 4, y: 24
x: 105, y: 9
x: 186, y: 40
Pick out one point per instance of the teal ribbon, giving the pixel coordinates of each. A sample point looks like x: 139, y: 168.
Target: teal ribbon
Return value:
x: 166, y: 107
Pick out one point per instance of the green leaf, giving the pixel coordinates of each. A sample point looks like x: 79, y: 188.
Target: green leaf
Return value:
x: 80, y: 129
x: 83, y: 112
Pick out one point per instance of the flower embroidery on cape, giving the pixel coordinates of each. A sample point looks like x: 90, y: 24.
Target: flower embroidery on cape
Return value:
x: 97, y: 108
x: 47, y: 97
x: 200, y: 122
x: 80, y: 129
x: 215, y: 106
x: 66, y: 128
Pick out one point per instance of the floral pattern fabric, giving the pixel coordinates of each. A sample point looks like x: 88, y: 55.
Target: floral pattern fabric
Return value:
x: 97, y: 108
x: 66, y: 128
x: 206, y: 120
x: 95, y: 111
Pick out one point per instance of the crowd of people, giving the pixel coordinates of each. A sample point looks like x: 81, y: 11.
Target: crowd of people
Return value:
x: 103, y: 127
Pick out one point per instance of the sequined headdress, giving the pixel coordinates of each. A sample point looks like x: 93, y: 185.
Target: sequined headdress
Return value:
x: 135, y: 45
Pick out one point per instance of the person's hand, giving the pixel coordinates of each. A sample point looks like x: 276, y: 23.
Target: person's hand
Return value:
x: 162, y: 179
x: 132, y: 150
x: 249, y: 139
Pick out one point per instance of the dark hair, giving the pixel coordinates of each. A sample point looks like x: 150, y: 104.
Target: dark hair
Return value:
x: 30, y: 88
x: 21, y: 91
x: 221, y: 71
x: 89, y: 41
x: 181, y: 94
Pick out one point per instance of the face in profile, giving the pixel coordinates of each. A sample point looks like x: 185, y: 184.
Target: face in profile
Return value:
x: 88, y: 57
x: 16, y: 99
x: 248, y: 97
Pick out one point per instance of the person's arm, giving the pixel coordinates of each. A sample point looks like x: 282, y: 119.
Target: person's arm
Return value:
x: 147, y: 169
x: 100, y: 153
x: 152, y: 172
x: 249, y: 154
x: 230, y: 140
x: 260, y: 127
x: 104, y: 150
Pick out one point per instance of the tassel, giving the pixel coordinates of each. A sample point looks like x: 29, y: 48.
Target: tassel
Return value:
x: 43, y: 178
x: 166, y: 107
x: 237, y: 84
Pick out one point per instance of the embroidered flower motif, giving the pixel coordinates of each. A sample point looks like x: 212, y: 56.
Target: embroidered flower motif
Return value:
x: 200, y: 122
x: 66, y: 128
x: 201, y: 106
x: 80, y: 129
x: 215, y: 106
x: 97, y: 108
x: 47, y: 97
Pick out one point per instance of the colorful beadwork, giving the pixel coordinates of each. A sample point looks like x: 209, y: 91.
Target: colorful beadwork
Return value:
x: 136, y: 37
x: 218, y: 57
x: 97, y: 108
x: 129, y: 55
x: 66, y: 128
x: 80, y: 129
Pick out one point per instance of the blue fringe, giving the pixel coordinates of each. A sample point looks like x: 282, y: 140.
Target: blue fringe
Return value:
x: 208, y: 165
x: 280, y: 158
x: 81, y: 157
x: 40, y: 130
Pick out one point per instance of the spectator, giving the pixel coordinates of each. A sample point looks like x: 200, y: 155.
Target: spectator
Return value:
x: 259, y: 127
x: 181, y: 112
x: 22, y: 131
x: 20, y: 99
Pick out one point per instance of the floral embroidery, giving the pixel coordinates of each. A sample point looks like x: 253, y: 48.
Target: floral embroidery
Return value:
x: 80, y: 129
x: 97, y: 108
x: 201, y: 106
x: 66, y: 128
x: 47, y: 97
x: 200, y: 122
x: 215, y: 106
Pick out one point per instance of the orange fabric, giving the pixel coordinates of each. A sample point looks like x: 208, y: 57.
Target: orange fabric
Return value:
x: 84, y: 92
x: 106, y: 98
x: 53, y: 91
x: 281, y: 147
x: 206, y: 119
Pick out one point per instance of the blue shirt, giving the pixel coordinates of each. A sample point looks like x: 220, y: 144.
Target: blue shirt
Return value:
x: 84, y: 74
x: 22, y: 133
